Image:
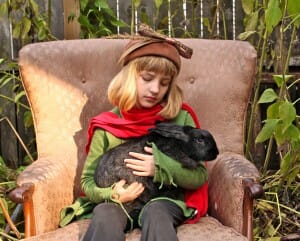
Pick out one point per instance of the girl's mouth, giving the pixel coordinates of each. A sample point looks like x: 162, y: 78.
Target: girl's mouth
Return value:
x: 150, y: 99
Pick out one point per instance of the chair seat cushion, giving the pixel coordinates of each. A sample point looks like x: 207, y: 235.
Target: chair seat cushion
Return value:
x: 207, y: 229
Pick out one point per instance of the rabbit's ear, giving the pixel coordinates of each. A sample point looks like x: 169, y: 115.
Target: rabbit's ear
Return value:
x: 171, y: 131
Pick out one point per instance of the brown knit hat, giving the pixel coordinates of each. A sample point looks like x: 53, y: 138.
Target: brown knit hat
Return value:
x: 140, y: 48
x: 155, y: 44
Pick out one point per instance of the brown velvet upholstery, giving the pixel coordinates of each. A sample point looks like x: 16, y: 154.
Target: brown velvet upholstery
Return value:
x: 66, y: 84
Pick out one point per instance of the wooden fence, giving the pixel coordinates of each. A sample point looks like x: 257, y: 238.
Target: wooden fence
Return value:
x: 202, y: 18
x: 194, y: 18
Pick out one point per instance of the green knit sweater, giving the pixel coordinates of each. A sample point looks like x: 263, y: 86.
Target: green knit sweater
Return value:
x: 167, y: 171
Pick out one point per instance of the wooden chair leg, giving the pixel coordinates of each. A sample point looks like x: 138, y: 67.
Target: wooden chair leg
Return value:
x: 23, y: 195
x: 252, y: 190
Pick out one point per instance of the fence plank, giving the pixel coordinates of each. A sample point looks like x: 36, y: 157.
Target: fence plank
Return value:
x: 71, y: 28
x: 4, y: 38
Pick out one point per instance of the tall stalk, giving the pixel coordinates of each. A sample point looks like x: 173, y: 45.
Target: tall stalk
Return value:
x: 293, y: 35
x: 256, y: 94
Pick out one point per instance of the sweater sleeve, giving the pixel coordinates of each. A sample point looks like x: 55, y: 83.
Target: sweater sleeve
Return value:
x: 169, y: 171
x: 99, y: 145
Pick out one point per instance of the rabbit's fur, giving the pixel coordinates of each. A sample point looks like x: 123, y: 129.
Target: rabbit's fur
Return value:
x: 186, y: 144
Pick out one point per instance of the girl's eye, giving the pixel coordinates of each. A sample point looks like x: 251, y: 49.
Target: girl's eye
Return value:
x: 147, y: 77
x: 165, y: 83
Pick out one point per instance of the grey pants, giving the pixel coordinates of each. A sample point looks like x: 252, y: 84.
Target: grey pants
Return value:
x: 159, y: 221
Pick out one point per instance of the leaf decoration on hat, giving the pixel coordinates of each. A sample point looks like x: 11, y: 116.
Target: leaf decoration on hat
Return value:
x: 147, y: 31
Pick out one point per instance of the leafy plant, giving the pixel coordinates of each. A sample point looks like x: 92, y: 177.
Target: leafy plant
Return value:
x: 282, y: 187
x: 97, y: 19
x: 28, y: 24
x: 7, y: 183
x: 282, y: 124
x: 264, y: 22
x: 9, y: 75
x: 10, y: 79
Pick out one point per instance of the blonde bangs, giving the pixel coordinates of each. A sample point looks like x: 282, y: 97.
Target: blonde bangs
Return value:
x: 156, y: 64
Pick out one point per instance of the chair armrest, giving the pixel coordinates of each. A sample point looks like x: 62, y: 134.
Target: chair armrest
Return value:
x: 44, y: 187
x: 233, y: 183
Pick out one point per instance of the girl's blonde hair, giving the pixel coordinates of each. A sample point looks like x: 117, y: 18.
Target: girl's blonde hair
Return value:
x: 122, y: 91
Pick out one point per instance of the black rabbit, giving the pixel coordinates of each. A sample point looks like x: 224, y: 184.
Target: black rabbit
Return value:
x: 186, y: 144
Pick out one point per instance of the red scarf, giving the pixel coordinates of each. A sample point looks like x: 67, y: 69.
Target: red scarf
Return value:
x: 136, y: 123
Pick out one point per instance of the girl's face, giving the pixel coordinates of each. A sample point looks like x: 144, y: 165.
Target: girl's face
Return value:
x: 151, y: 88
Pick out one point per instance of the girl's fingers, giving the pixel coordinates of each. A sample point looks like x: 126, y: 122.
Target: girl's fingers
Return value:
x: 143, y: 165
x: 137, y: 155
x: 138, y: 168
x: 141, y: 174
x: 135, y: 167
x: 136, y: 188
x: 129, y: 193
x: 135, y: 162
x: 120, y: 183
x: 148, y: 149
x: 142, y: 156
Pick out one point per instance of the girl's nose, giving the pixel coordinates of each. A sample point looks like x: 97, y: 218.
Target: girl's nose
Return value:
x: 154, y: 87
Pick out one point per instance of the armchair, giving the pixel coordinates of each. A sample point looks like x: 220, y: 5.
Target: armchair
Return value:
x: 66, y: 82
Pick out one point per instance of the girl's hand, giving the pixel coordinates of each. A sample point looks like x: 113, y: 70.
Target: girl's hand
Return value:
x: 143, y: 165
x: 127, y: 194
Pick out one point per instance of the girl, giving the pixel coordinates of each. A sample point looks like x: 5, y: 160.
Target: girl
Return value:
x: 143, y: 92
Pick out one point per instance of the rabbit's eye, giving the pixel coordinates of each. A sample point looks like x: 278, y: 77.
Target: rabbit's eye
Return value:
x: 199, y: 140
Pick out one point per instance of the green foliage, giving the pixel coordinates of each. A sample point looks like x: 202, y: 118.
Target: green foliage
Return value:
x: 101, y: 21
x: 264, y: 21
x: 267, y: 15
x: 7, y: 177
x: 293, y: 9
x: 28, y: 24
x: 97, y: 19
x: 282, y: 124
x: 11, y: 82
x: 7, y: 183
x: 10, y: 79
x: 273, y: 15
